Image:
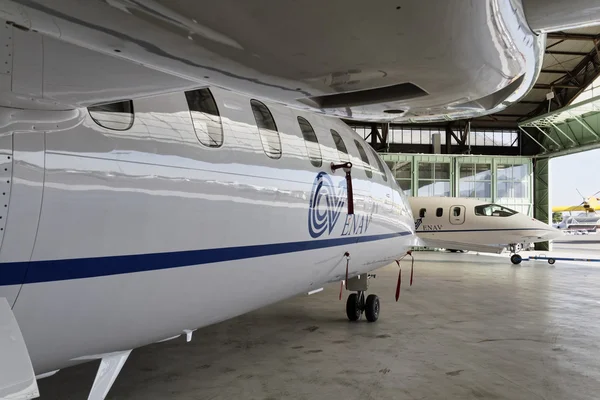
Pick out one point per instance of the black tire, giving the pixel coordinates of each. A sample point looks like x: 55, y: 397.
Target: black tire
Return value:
x: 551, y: 261
x: 372, y: 308
x: 516, y: 259
x: 352, y: 310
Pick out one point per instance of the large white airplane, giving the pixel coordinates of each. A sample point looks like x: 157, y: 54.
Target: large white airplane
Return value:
x: 471, y: 224
x: 169, y: 165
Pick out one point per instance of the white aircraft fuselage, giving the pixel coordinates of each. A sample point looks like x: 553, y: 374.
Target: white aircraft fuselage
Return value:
x: 129, y: 218
x: 471, y: 224
x: 117, y: 239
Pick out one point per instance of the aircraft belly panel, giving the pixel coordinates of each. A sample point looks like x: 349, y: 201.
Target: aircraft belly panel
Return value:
x: 145, y: 307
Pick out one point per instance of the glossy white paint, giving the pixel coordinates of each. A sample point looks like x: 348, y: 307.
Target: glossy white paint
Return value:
x: 557, y: 15
x: 154, y: 189
x: 17, y: 382
x: 469, y: 57
x: 109, y: 369
x: 474, y: 232
x: 117, y: 239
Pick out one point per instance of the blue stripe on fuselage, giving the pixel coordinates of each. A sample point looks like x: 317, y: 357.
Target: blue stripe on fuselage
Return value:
x: 78, y: 268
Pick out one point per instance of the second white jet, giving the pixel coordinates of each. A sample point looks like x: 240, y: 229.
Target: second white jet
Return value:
x: 472, y: 224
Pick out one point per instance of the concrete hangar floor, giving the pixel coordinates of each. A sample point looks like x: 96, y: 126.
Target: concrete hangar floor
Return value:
x: 470, y: 327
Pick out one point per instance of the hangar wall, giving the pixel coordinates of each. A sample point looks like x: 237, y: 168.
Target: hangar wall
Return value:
x: 503, y: 180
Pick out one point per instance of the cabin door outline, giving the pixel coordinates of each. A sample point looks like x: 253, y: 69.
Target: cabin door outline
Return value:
x: 457, y: 215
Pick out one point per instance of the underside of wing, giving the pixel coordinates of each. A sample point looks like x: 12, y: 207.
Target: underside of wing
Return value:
x: 444, y: 244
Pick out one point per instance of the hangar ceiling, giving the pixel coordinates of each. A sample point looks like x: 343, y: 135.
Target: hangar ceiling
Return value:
x: 571, y: 63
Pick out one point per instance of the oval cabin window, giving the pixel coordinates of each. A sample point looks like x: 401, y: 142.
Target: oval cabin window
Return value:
x: 311, y: 142
x: 267, y: 129
x: 364, y: 158
x: 379, y: 165
x: 205, y: 117
x: 117, y: 116
x: 340, y: 146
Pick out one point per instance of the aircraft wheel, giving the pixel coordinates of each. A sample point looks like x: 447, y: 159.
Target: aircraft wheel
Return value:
x: 551, y: 261
x: 372, y: 308
x: 516, y: 259
x: 353, y: 310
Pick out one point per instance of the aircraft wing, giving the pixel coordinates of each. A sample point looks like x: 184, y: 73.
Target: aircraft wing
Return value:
x: 444, y: 244
x: 569, y: 208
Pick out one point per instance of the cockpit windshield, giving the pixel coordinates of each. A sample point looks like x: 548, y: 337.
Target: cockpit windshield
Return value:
x: 494, y: 210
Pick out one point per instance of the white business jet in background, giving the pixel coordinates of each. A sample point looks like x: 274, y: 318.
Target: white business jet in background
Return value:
x: 168, y: 165
x: 470, y: 224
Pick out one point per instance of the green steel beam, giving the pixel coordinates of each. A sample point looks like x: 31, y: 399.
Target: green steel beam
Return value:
x: 579, y: 123
x: 541, y: 193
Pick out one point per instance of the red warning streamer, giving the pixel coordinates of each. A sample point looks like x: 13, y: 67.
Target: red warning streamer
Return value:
x: 347, y: 255
x: 408, y: 253
x: 399, y: 280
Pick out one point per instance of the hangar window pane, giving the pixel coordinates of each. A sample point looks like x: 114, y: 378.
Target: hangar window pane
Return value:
x: 513, y: 181
x: 340, y: 146
x: 205, y: 117
x: 364, y: 158
x: 475, y: 180
x: 269, y: 136
x: 117, y: 116
x: 433, y: 179
x: 311, y: 142
x: 402, y: 172
x: 379, y: 165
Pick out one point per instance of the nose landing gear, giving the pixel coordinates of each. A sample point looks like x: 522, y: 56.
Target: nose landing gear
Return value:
x: 514, y: 249
x: 356, y: 304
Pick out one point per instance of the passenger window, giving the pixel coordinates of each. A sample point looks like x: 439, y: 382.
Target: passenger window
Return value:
x: 117, y: 116
x: 456, y: 211
x: 340, y: 146
x: 364, y: 158
x: 269, y: 136
x: 422, y: 212
x: 439, y: 212
x: 205, y: 116
x: 311, y: 142
x: 379, y: 165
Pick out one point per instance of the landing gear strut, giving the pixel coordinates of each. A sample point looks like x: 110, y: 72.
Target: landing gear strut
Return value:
x: 356, y: 303
x: 515, y: 258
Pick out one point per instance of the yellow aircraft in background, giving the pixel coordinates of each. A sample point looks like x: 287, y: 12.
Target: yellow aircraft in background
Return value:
x: 589, y: 204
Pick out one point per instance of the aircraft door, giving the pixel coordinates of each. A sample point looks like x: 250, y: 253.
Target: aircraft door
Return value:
x: 457, y: 215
